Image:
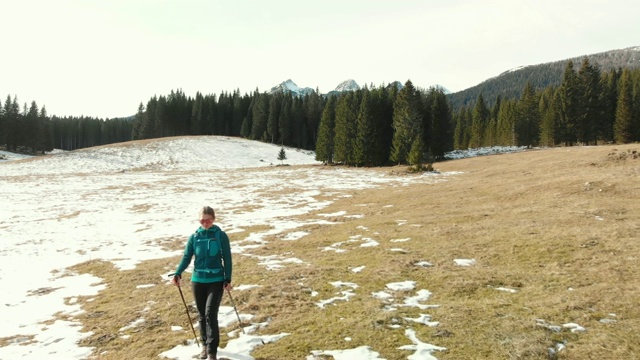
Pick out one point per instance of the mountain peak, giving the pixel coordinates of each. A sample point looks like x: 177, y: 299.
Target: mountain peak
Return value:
x: 348, y: 85
x: 290, y: 86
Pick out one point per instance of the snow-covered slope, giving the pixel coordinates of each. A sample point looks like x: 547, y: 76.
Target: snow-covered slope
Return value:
x: 177, y: 153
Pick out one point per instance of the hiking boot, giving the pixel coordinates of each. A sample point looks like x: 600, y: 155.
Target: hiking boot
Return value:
x: 212, y: 357
x: 203, y: 353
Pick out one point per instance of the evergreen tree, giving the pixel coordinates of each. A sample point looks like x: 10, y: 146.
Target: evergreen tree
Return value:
x: 45, y: 142
x: 239, y: 109
x: 407, y: 122
x: 625, y: 125
x: 491, y: 131
x: 506, y: 122
x: 282, y: 155
x: 324, y: 143
x: 441, y: 138
x: 365, y: 132
x: 590, y: 112
x: 275, y: 106
x: 260, y: 117
x: 137, y: 130
x: 299, y: 130
x: 570, y: 102
x: 345, y: 128
x: 549, y: 116
x: 313, y: 108
x: 459, y: 139
x: 416, y: 154
x: 382, y: 103
x: 285, y: 120
x: 527, y: 122
x: 32, y: 128
x: 12, y: 123
x: 3, y: 126
x: 247, y: 121
x: 198, y: 115
x: 479, y: 119
x: 609, y: 103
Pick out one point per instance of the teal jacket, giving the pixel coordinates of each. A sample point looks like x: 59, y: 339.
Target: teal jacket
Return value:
x: 213, y: 256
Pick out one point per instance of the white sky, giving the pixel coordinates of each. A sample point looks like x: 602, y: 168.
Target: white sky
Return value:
x: 102, y: 58
x: 120, y: 203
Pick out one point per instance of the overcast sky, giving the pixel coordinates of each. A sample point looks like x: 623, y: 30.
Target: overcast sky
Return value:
x: 102, y: 58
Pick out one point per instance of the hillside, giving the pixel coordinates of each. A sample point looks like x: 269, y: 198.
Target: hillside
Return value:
x: 510, y: 84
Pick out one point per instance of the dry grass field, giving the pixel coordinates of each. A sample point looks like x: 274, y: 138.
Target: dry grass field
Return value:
x: 557, y: 226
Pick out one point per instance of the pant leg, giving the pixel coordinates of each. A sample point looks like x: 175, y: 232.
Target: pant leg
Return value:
x: 214, y: 297
x: 200, y: 294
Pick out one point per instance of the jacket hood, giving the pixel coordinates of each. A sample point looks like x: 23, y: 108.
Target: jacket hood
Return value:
x: 214, y: 228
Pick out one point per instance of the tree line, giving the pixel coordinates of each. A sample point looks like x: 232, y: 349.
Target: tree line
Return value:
x: 32, y: 131
x: 589, y: 107
x: 374, y: 126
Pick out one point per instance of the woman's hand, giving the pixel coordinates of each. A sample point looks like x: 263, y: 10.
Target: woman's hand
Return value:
x: 176, y: 280
x: 228, y: 286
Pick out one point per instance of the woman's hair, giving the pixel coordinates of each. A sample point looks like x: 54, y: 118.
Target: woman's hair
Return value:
x: 208, y: 210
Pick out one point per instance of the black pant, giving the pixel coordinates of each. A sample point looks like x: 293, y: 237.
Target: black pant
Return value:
x: 208, y: 297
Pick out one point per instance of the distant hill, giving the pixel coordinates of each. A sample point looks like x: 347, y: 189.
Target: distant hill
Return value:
x: 510, y: 83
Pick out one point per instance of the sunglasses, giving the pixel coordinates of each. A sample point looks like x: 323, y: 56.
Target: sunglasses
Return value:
x: 206, y: 221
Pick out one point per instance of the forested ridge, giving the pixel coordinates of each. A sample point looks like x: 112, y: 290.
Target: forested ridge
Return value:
x: 510, y: 84
x: 373, y: 126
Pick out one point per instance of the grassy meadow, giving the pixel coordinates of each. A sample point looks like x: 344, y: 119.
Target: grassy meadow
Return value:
x: 560, y: 226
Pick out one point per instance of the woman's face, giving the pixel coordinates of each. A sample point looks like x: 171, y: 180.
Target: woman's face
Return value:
x: 206, y: 221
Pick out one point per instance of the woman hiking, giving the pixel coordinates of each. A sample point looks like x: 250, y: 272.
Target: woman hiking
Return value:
x: 210, y: 278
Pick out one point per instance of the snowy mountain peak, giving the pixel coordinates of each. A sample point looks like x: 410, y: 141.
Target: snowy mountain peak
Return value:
x: 348, y: 85
x: 290, y: 86
x: 442, y: 88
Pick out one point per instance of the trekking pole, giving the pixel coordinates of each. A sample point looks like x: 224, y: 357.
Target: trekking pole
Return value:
x: 233, y: 303
x: 187, y: 310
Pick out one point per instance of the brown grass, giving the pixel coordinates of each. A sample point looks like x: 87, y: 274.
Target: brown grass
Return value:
x: 559, y: 225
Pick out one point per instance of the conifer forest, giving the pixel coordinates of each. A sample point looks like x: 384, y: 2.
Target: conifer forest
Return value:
x: 373, y: 126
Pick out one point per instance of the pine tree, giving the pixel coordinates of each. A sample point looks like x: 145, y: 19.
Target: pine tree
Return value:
x: 506, y: 122
x: 416, y: 154
x: 44, y: 141
x: 407, y: 122
x: 282, y: 155
x: 527, y: 122
x: 12, y: 123
x: 275, y: 106
x: 479, y: 120
x: 313, y: 108
x: 548, y: 116
x: 609, y: 102
x: 32, y: 127
x: 247, y: 121
x: 285, y: 121
x: 324, y: 143
x: 260, y: 117
x: 491, y: 131
x: 345, y: 128
x: 590, y: 112
x: 137, y: 132
x: 299, y: 130
x: 365, y: 132
x: 382, y: 103
x: 625, y: 125
x: 3, y: 126
x: 198, y: 116
x: 441, y: 140
x: 570, y: 102
x: 239, y: 109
